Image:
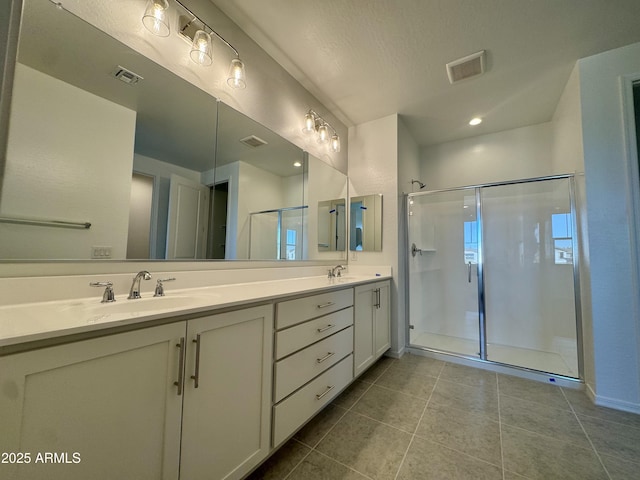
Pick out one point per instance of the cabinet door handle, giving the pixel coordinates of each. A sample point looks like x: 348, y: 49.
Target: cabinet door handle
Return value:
x: 196, y: 374
x: 325, y: 305
x: 318, y: 397
x: 469, y: 272
x: 326, y: 357
x: 180, y: 366
x: 377, y: 300
x: 324, y: 329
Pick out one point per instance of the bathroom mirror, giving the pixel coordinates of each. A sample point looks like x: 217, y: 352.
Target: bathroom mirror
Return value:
x: 90, y: 118
x: 365, y: 223
x: 258, y: 192
x: 327, y: 198
x: 90, y: 143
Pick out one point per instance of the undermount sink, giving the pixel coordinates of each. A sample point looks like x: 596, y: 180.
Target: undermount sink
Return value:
x: 140, y: 305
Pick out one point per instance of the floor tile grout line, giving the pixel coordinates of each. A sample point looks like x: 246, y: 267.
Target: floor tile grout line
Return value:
x: 300, y: 462
x: 500, y: 428
x: 586, y: 434
x: 398, y: 391
x: 343, y: 464
x: 413, y: 436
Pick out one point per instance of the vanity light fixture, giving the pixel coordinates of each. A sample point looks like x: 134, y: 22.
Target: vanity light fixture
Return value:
x: 475, y: 121
x: 155, y: 18
x: 197, y: 33
x: 314, y: 123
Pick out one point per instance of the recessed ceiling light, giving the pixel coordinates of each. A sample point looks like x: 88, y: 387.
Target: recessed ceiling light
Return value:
x: 297, y: 164
x: 475, y: 121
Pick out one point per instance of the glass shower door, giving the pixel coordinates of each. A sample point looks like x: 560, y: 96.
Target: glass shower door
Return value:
x: 443, y: 283
x: 529, y: 276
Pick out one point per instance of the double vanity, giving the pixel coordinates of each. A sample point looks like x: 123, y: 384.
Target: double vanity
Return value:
x: 200, y: 383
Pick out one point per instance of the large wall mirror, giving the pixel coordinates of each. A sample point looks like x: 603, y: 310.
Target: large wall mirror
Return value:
x: 111, y: 156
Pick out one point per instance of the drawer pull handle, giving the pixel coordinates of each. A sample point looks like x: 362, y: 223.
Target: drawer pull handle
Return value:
x: 325, y: 305
x: 324, y: 329
x: 318, y: 397
x: 326, y: 357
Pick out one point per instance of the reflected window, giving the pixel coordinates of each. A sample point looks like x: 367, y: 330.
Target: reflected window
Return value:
x: 562, y: 233
x: 471, y: 242
x: 291, y: 244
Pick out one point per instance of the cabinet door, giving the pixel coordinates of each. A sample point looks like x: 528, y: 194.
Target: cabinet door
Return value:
x: 111, y: 400
x: 363, y: 352
x: 226, y: 420
x: 382, y: 326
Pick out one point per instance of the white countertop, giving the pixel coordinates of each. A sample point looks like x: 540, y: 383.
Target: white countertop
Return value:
x: 46, y: 320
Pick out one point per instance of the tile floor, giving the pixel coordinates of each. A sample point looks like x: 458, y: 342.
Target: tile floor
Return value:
x: 419, y: 418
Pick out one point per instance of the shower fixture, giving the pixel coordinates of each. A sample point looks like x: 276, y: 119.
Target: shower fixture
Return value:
x: 422, y: 185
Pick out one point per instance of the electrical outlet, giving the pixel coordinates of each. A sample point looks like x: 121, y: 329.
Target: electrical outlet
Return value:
x: 100, y: 252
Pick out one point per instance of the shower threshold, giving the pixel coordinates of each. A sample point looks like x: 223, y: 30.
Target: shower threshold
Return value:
x: 547, y: 362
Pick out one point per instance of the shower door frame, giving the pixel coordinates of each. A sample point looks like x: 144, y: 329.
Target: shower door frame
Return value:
x: 482, y: 326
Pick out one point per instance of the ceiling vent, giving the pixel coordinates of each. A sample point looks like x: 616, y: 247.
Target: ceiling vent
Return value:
x: 253, y: 141
x: 126, y: 76
x: 466, y: 67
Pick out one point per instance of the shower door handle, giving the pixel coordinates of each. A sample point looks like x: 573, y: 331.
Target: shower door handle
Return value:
x: 469, y: 272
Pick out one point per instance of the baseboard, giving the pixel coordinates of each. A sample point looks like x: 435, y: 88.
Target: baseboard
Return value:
x: 614, y: 403
x: 396, y: 354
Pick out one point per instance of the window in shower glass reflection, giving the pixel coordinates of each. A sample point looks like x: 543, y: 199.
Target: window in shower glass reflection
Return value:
x: 562, y: 233
x: 471, y: 242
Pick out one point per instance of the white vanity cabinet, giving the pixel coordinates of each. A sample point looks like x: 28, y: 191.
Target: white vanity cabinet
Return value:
x: 314, y: 357
x: 130, y: 406
x: 227, y: 394
x: 111, y: 400
x: 371, y: 323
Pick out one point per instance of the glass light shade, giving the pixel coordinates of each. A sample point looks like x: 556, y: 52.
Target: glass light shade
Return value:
x: 309, y: 123
x: 155, y: 17
x: 236, y: 77
x: 202, y: 49
x: 335, y: 143
x: 323, y: 133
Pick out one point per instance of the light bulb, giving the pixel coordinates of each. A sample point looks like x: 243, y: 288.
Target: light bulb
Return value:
x: 202, y: 49
x: 475, y: 121
x: 309, y: 123
x: 323, y: 133
x: 335, y: 143
x: 155, y: 17
x: 236, y: 77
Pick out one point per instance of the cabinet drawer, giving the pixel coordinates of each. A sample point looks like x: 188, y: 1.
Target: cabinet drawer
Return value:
x: 298, y: 337
x: 298, y: 369
x: 296, y: 311
x: 293, y: 412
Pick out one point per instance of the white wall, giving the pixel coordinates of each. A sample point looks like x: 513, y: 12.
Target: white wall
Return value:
x: 373, y: 168
x: 95, y: 188
x: 611, y: 213
x: 567, y: 153
x: 513, y: 154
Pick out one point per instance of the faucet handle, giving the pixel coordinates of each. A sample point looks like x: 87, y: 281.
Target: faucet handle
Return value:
x: 108, y: 296
x: 160, y: 286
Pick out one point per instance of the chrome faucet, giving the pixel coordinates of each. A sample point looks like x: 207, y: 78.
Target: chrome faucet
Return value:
x: 135, y: 286
x: 336, y: 271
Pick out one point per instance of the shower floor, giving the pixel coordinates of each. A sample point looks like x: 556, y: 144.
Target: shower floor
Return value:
x: 549, y: 362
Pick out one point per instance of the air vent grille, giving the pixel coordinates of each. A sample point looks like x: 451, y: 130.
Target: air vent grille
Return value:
x: 466, y: 67
x: 126, y: 76
x: 253, y: 141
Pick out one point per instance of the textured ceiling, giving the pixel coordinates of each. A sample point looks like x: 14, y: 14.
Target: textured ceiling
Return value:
x: 365, y: 59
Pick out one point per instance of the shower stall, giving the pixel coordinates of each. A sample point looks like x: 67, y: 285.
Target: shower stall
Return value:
x: 492, y: 274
